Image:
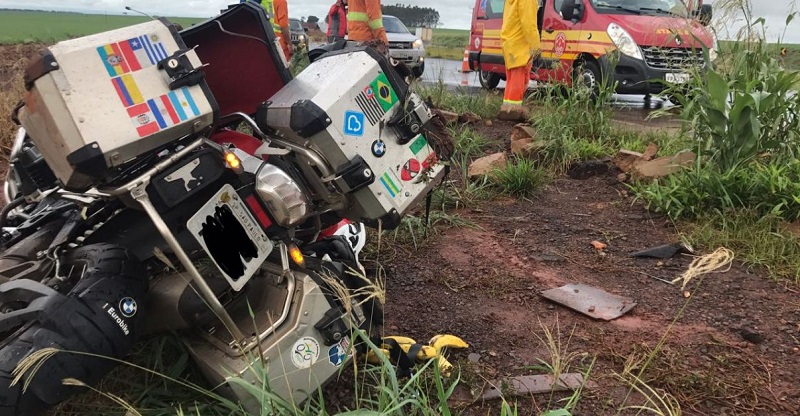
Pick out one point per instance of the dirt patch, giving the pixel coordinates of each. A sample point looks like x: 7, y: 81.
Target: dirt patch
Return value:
x: 483, y: 284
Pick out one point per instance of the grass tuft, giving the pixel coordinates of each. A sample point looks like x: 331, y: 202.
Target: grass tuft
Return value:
x: 520, y: 178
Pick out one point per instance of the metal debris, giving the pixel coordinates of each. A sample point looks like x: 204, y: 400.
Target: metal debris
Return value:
x: 667, y: 251
x: 590, y: 301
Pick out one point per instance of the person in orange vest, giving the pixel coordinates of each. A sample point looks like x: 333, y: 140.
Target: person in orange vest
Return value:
x: 337, y: 21
x: 278, y: 11
x: 365, y: 23
x: 520, y: 40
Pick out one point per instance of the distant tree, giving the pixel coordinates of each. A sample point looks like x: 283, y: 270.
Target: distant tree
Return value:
x: 312, y: 19
x: 413, y: 16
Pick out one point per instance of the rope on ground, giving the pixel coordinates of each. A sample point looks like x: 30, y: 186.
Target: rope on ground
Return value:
x: 709, y: 263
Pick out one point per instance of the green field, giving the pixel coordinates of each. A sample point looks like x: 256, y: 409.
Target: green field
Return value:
x: 22, y: 26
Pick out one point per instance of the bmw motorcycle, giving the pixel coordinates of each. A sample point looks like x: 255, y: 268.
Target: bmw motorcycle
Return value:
x: 167, y: 179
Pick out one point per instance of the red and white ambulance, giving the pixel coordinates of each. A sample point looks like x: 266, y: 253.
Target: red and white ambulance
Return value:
x: 634, y: 42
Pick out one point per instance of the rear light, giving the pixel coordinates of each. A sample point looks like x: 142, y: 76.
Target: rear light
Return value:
x: 282, y: 195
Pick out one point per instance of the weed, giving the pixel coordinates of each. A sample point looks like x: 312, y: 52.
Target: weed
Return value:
x: 520, y: 178
x: 11, y: 91
x: 759, y: 241
x: 484, y: 104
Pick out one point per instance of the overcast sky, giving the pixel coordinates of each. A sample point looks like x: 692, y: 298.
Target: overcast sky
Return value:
x: 454, y: 13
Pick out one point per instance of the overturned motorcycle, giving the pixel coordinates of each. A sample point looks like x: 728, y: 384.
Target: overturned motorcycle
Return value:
x: 167, y: 180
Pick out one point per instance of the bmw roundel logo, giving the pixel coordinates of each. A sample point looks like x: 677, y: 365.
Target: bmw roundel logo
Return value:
x: 378, y: 148
x: 128, y: 307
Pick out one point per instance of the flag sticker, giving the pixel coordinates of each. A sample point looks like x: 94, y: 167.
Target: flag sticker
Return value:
x: 112, y: 60
x: 390, y: 184
x: 143, y: 120
x: 127, y: 90
x: 418, y: 144
x: 383, y: 91
x: 370, y: 107
x: 155, y: 50
x: 173, y: 108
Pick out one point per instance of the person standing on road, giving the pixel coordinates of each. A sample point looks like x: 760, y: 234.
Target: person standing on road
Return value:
x: 278, y: 11
x: 520, y: 39
x: 365, y: 23
x: 337, y: 21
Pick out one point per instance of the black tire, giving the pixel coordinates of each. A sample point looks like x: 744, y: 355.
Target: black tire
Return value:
x: 587, y: 75
x: 418, y: 70
x: 488, y: 80
x: 89, y: 319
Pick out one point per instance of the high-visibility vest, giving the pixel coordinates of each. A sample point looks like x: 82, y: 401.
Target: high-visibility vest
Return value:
x: 269, y: 6
x: 365, y: 21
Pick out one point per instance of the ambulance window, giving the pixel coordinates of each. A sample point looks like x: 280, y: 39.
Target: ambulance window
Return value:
x: 495, y: 9
x: 557, y: 4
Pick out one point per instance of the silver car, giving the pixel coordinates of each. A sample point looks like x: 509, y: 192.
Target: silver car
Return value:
x: 404, y: 46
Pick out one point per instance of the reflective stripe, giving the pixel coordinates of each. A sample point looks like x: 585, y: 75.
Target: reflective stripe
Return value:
x: 358, y: 17
x: 376, y: 24
x: 269, y: 6
x: 513, y: 102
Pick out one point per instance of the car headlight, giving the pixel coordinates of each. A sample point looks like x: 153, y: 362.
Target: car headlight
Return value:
x: 712, y: 52
x: 623, y: 41
x: 302, y: 38
x: 417, y: 44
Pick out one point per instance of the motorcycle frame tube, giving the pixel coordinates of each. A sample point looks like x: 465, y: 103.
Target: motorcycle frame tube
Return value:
x: 139, y: 193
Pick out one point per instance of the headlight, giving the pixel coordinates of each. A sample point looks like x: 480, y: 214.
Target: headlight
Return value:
x: 624, y: 42
x: 302, y: 38
x: 285, y: 200
x: 417, y: 44
x: 712, y: 52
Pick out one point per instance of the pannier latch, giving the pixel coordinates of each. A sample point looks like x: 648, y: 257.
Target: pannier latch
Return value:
x: 180, y: 70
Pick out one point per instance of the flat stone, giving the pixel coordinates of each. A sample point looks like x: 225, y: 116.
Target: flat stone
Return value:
x: 751, y: 335
x: 485, y: 165
x: 590, y: 301
x: 664, y: 166
x: 538, y: 384
x: 527, y: 147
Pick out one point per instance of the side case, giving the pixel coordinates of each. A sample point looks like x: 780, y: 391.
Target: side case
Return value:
x: 97, y: 102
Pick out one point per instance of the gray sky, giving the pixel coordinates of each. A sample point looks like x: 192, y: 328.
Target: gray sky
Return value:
x: 454, y: 13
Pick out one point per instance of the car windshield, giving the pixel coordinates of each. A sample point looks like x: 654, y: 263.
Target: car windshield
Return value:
x: 295, y: 25
x: 394, y: 25
x: 669, y: 7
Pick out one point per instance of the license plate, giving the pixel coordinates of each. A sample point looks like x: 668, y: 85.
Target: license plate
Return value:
x: 678, y: 78
x: 230, y: 236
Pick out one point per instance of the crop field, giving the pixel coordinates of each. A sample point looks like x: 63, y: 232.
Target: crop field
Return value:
x: 24, y: 26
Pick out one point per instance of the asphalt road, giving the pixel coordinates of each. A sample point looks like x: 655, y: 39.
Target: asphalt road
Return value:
x: 449, y: 73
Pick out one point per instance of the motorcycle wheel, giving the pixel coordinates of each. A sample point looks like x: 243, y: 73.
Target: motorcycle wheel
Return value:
x: 99, y: 316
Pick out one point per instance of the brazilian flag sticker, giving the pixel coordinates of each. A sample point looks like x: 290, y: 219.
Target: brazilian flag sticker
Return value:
x: 384, y: 94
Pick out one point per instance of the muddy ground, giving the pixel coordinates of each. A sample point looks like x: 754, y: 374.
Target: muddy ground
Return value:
x: 734, y: 349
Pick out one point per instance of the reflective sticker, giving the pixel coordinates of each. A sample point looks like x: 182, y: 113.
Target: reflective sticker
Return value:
x: 410, y: 170
x: 337, y: 354
x: 353, y: 123
x: 305, y: 352
x: 418, y: 144
x: 390, y: 183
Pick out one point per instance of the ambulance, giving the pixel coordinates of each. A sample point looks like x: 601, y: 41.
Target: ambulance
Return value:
x: 642, y: 45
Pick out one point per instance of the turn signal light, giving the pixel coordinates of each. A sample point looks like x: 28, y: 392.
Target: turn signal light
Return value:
x: 233, y: 162
x: 296, y: 255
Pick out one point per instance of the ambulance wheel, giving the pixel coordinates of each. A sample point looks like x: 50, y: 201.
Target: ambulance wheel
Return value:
x: 81, y: 321
x: 489, y: 80
x: 587, y: 75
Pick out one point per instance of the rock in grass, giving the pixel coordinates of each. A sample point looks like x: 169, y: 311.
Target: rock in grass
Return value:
x: 522, y: 132
x: 751, y: 335
x: 626, y: 160
x: 470, y: 118
x: 448, y: 117
x: 485, y: 165
x: 664, y: 166
x: 527, y: 147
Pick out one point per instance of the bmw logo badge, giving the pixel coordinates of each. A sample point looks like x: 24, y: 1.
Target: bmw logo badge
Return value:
x: 128, y: 307
x: 378, y: 148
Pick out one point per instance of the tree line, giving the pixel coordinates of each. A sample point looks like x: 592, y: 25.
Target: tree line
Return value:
x: 413, y: 16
